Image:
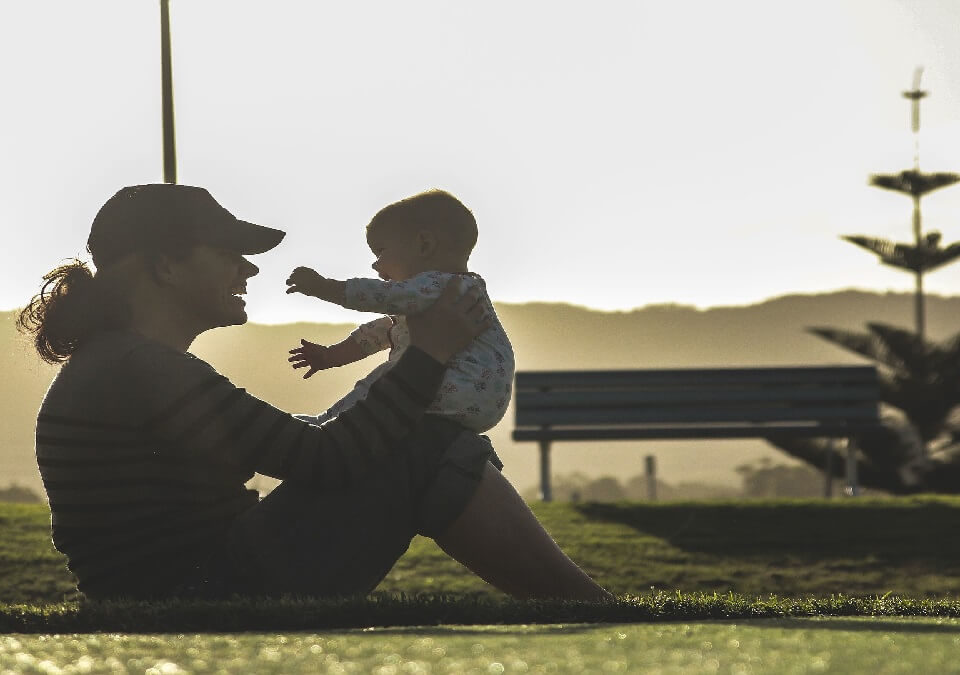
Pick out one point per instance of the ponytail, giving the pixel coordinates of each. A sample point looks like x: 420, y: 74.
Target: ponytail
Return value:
x: 71, y: 306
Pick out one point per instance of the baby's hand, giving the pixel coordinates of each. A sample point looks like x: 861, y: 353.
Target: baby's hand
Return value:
x: 305, y: 280
x: 310, y: 355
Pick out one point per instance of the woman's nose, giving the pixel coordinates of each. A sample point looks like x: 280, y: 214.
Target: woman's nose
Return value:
x: 249, y: 269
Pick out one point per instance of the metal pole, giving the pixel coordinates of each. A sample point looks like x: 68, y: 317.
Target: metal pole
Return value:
x: 919, y: 308
x: 546, y: 494
x: 919, y: 300
x: 166, y: 84
x: 914, y: 96
x: 853, y: 487
x: 650, y: 466
x: 828, y: 470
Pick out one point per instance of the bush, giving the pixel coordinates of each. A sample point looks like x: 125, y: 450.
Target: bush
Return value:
x: 19, y: 494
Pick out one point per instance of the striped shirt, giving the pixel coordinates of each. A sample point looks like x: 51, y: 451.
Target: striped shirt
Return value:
x: 144, y: 452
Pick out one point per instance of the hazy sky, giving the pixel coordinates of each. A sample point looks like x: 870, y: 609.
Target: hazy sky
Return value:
x: 616, y: 154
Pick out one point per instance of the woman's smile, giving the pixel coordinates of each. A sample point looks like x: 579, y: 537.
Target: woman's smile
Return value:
x: 237, y: 292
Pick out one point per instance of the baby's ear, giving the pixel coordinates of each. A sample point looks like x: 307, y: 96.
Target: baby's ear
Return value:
x: 427, y: 243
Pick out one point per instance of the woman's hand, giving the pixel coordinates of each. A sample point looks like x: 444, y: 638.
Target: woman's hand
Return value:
x: 450, y: 323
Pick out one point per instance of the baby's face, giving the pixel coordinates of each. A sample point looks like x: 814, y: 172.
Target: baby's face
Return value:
x: 398, y: 254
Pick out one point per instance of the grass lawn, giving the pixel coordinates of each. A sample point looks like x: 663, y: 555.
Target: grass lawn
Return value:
x: 817, y: 645
x: 863, y: 547
x: 847, y: 586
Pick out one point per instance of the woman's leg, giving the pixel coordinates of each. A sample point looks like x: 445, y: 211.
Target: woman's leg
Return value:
x: 301, y: 541
x: 304, y: 540
x: 499, y: 539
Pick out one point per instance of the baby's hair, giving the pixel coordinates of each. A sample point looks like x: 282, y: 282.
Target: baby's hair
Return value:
x: 434, y: 210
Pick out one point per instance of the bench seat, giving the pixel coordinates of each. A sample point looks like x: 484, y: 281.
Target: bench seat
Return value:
x: 685, y: 403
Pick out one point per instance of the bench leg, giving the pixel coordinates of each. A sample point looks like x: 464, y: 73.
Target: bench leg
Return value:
x: 546, y: 494
x: 828, y: 471
x: 650, y: 471
x: 853, y: 488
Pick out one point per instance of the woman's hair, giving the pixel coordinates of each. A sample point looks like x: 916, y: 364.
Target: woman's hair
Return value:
x: 72, y: 305
x: 75, y: 304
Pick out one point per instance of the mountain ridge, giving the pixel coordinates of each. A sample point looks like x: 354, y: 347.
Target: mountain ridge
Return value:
x: 546, y: 335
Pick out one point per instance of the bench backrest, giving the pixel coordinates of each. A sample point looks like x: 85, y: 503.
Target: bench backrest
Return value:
x: 693, y: 403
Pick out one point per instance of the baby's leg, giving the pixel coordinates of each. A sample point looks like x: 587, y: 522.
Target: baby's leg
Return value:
x: 477, y: 404
x: 500, y: 540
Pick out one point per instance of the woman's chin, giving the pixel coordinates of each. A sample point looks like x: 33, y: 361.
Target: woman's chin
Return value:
x: 234, y: 319
x: 239, y: 317
x: 235, y: 312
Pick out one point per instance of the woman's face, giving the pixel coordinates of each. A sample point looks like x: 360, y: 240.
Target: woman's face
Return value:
x: 208, y: 285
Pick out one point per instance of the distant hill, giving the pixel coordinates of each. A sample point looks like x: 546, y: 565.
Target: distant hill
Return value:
x: 544, y: 336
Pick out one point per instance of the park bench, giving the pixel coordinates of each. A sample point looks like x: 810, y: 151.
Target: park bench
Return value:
x: 838, y: 402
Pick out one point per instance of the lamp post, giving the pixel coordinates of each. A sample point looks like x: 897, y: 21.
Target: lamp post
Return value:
x: 166, y: 95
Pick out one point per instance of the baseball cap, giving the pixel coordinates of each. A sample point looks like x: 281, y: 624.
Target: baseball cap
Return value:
x: 152, y: 217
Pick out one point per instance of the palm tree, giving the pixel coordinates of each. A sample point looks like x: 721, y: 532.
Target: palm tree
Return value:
x: 917, y: 447
x: 918, y: 377
x: 929, y: 255
x: 925, y: 253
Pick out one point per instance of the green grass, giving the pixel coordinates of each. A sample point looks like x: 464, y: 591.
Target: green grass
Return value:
x: 665, y: 561
x: 31, y: 570
x: 861, y: 586
x: 392, y: 610
x: 796, y: 547
x: 765, y: 646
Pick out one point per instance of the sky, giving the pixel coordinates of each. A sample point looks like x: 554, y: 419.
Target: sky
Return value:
x: 616, y: 154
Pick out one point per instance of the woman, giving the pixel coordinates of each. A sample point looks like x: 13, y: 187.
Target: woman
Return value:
x: 144, y: 449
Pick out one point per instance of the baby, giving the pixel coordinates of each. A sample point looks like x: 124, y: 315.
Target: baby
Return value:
x: 421, y: 243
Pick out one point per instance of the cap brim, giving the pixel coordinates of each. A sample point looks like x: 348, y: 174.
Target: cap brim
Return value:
x: 259, y: 238
x: 248, y: 238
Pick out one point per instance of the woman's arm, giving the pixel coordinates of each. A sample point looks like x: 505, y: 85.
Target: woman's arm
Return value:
x: 204, y: 421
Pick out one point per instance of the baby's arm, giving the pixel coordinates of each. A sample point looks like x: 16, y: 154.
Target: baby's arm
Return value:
x: 320, y: 357
x: 367, y: 339
x: 310, y: 282
x: 396, y: 297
